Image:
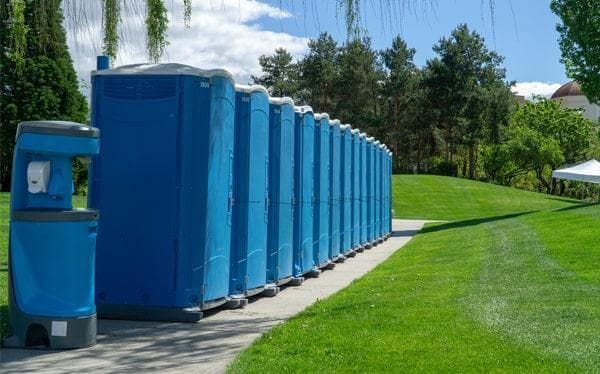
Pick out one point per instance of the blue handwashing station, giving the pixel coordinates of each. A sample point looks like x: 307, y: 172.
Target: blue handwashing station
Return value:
x: 52, y: 245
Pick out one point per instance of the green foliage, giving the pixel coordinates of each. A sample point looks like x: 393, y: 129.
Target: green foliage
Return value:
x: 280, y: 74
x: 157, y: 23
x: 542, y: 136
x: 46, y: 88
x: 319, y: 73
x: 466, y: 90
x: 18, y: 33
x: 580, y: 42
x: 111, y: 19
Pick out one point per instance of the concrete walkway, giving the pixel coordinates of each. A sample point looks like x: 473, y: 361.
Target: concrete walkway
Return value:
x: 209, y: 345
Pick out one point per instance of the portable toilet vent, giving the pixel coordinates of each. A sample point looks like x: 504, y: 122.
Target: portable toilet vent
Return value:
x: 51, y: 245
x: 281, y: 189
x: 164, y: 185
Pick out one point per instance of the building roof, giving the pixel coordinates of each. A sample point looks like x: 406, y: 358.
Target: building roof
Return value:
x: 568, y: 89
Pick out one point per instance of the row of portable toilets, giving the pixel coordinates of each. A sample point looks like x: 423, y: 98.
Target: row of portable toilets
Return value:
x: 211, y: 192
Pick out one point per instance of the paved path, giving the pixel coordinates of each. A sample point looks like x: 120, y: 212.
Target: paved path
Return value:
x: 208, y: 345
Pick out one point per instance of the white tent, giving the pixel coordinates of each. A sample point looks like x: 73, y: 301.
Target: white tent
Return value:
x: 588, y: 171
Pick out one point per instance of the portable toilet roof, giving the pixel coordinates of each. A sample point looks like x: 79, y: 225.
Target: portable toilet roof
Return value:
x: 303, y: 109
x: 164, y: 69
x: 251, y: 88
x: 320, y: 116
x: 334, y: 122
x: 362, y: 135
x: 281, y: 100
x: 355, y: 131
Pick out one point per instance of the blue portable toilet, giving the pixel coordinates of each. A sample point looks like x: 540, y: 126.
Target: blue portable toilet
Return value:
x: 321, y: 192
x: 248, y: 272
x: 390, y: 190
x: 334, y: 188
x: 356, y: 244
x: 164, y: 233
x: 281, y: 189
x: 51, y: 246
x: 370, y: 192
x: 363, y: 190
x: 346, y: 191
x: 304, y: 260
x: 377, y: 190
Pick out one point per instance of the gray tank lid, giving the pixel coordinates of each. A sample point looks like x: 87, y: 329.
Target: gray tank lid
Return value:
x: 303, y: 109
x: 57, y: 128
x: 281, y: 100
x: 164, y: 69
x: 251, y: 88
x: 320, y: 116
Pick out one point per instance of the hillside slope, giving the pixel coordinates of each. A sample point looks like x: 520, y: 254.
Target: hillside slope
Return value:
x: 511, y: 283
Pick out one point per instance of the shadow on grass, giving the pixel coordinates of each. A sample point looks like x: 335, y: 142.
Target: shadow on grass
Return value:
x: 576, y: 206
x: 3, y: 321
x: 571, y: 201
x: 473, y: 222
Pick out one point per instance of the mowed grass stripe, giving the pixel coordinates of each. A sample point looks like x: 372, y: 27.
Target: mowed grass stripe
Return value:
x: 497, y: 289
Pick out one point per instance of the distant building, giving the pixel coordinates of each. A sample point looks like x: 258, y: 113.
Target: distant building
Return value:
x: 571, y: 96
x: 519, y: 98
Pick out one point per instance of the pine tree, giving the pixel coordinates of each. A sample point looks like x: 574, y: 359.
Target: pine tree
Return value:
x: 319, y: 72
x: 280, y: 74
x: 43, y: 85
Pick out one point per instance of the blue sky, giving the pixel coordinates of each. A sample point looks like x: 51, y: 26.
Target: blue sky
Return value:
x: 232, y: 34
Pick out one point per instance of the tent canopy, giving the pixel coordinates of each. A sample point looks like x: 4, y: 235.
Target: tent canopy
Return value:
x: 588, y: 171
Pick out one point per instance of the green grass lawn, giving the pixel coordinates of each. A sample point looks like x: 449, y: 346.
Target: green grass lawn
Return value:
x: 79, y: 201
x: 510, y: 283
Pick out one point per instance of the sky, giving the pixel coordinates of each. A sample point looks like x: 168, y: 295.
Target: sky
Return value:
x: 232, y: 34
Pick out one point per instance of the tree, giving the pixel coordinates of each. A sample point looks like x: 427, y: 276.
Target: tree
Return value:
x: 359, y: 85
x: 43, y: 84
x: 279, y: 74
x: 542, y: 136
x: 319, y: 72
x: 463, y: 84
x: 580, y: 42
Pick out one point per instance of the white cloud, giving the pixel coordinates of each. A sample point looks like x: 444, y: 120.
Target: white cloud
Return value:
x: 223, y: 34
x: 529, y: 89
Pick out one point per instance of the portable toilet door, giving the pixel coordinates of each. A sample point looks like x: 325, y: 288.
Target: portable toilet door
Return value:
x: 303, y: 192
x: 356, y: 190
x: 334, y: 188
x: 382, y: 192
x: 363, y: 189
x: 248, y: 271
x: 346, y: 179
x: 281, y: 186
x: 370, y: 191
x: 163, y: 239
x: 321, y: 192
x: 377, y: 194
x: 390, y: 200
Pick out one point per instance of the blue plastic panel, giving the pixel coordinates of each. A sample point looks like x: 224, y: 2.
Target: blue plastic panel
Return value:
x: 281, y: 178
x: 53, y: 267
x: 164, y: 230
x: 346, y: 190
x: 363, y: 190
x: 334, y: 187
x: 250, y: 211
x: 321, y: 192
x: 303, y: 193
x: 355, y: 183
x: 370, y: 191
